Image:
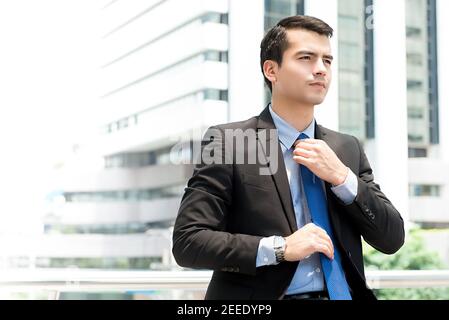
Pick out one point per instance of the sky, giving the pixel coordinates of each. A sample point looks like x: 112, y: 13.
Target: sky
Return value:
x: 48, y: 62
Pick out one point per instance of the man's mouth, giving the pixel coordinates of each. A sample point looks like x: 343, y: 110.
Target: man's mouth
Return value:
x: 318, y: 84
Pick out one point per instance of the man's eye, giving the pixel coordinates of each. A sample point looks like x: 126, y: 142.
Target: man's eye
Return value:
x: 328, y: 61
x: 305, y: 58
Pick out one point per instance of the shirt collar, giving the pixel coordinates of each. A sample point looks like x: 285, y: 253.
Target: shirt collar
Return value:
x: 287, y: 133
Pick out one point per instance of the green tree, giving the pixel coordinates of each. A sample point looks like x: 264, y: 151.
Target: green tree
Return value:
x: 412, y: 256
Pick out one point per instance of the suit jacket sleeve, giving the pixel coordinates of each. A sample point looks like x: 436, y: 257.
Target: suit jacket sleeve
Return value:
x: 379, y: 222
x: 200, y: 239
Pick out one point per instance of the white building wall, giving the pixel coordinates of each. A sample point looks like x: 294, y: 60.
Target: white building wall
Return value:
x: 144, y: 53
x: 424, y: 171
x: 181, y: 45
x: 149, y: 26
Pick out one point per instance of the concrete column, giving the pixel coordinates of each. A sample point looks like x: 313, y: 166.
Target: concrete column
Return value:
x: 246, y: 84
x: 391, y: 142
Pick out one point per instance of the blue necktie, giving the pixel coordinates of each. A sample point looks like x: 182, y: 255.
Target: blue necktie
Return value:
x: 337, y: 286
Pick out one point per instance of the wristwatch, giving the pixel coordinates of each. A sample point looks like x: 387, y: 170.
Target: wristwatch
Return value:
x: 279, y: 248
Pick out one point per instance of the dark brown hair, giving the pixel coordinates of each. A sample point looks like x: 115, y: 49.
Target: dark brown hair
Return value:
x: 275, y: 42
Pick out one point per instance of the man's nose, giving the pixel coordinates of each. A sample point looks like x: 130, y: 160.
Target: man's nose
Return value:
x: 319, y: 68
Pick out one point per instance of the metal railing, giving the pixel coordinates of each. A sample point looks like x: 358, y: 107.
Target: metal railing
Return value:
x: 55, y: 281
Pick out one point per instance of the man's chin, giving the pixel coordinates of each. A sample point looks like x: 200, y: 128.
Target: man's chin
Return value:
x: 311, y: 100
x: 316, y: 101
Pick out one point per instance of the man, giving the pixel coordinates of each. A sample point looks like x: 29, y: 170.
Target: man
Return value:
x: 294, y: 234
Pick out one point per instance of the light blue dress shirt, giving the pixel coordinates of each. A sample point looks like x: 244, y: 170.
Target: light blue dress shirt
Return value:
x: 308, y: 276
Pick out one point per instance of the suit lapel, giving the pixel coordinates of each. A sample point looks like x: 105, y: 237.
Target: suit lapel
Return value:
x: 280, y: 178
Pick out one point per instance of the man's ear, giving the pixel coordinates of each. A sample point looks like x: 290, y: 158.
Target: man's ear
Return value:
x: 270, y: 70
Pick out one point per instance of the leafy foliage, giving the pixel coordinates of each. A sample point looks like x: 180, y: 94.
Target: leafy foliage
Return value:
x: 412, y: 256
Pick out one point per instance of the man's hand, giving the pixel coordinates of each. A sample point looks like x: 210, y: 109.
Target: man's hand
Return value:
x: 321, y: 160
x: 307, y: 240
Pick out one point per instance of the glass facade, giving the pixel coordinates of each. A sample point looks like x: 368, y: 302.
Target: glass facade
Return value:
x: 355, y: 69
x: 276, y: 10
x: 422, y: 76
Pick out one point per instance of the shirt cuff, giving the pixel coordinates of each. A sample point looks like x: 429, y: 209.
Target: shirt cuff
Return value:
x: 347, y: 191
x: 265, y: 253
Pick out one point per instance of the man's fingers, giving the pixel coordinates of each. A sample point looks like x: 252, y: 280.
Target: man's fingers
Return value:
x: 330, y: 248
x: 310, y: 141
x: 327, y: 240
x: 320, y: 240
x: 302, y: 152
x: 323, y: 238
x: 320, y: 231
x: 302, y: 144
x: 325, y: 249
x: 302, y: 160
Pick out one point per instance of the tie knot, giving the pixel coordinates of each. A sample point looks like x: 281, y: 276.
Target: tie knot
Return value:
x: 300, y: 137
x: 303, y: 136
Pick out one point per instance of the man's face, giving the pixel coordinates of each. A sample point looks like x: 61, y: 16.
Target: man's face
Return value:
x: 305, y: 72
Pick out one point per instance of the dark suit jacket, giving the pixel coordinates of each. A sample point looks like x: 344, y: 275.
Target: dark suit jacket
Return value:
x: 227, y: 208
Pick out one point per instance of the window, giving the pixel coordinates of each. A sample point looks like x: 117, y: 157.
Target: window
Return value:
x: 138, y: 159
x: 132, y: 227
x: 417, y: 152
x: 215, y: 17
x: 415, y: 113
x: 424, y: 190
x: 212, y: 55
x: 122, y: 123
x: 414, y: 85
x: 414, y: 59
x: 125, y: 195
x: 275, y: 10
x: 413, y: 32
x: 415, y: 138
x: 215, y: 94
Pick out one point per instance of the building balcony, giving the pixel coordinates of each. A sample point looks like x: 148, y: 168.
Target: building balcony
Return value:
x: 116, y: 179
x: 79, y: 213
